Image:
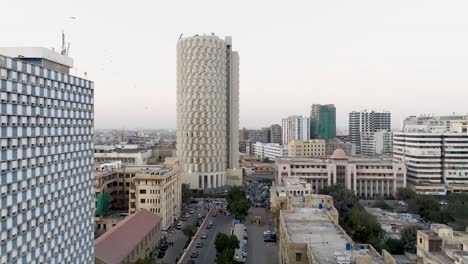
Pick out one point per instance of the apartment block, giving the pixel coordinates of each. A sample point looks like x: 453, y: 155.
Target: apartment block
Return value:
x: 367, y: 177
x: 311, y: 148
x: 127, y: 154
x: 295, y: 128
x: 276, y: 134
x: 361, y: 122
x: 377, y: 143
x: 47, y: 127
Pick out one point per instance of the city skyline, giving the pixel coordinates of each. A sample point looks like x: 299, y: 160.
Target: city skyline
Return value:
x: 395, y: 56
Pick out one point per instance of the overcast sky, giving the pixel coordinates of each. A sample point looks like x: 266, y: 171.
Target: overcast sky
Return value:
x: 409, y: 57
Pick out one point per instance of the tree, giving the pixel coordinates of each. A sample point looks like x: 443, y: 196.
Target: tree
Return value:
x: 405, y: 194
x: 186, y: 193
x: 364, y: 226
x: 380, y: 203
x: 408, y: 238
x: 226, y: 257
x: 189, y: 231
x: 237, y: 202
x: 224, y: 242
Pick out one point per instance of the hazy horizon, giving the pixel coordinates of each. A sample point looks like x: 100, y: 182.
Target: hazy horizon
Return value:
x: 405, y: 57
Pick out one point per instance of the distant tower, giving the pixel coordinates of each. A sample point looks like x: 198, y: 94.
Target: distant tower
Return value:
x: 208, y: 112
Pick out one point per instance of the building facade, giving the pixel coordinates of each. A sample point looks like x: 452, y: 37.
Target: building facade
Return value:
x: 270, y: 151
x: 295, y: 128
x: 431, y: 123
x: 361, y: 122
x: 377, y: 143
x: 367, y: 177
x: 128, y: 156
x: 47, y: 124
x: 276, y: 134
x: 437, y: 163
x: 153, y: 188
x: 311, y: 148
x: 323, y: 121
x: 208, y: 111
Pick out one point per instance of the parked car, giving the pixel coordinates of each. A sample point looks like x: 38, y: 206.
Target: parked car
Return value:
x: 204, y: 235
x: 199, y: 244
x: 214, y: 215
x: 194, y: 254
x: 161, y: 254
x: 179, y: 225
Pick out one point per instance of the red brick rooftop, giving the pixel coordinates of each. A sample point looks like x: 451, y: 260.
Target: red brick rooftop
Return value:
x: 118, y: 242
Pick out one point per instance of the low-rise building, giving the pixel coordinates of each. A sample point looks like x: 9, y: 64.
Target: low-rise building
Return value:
x: 366, y: 176
x: 311, y: 148
x: 134, y: 237
x: 310, y: 235
x: 442, y: 245
x: 270, y: 151
x: 154, y: 188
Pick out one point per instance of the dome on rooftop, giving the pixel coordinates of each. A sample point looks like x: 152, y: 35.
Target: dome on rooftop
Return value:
x: 339, y: 154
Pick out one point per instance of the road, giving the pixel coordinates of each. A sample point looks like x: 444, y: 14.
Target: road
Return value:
x: 221, y: 224
x: 178, y: 237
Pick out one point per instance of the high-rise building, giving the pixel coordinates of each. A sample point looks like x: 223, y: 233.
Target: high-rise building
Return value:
x: 295, y: 128
x: 276, y: 134
x: 367, y: 121
x: 323, y: 121
x: 208, y: 111
x: 270, y: 151
x: 377, y: 143
x: 437, y: 160
x: 47, y: 124
x: 260, y: 135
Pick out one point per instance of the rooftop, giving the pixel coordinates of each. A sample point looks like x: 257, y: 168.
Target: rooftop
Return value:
x: 37, y: 52
x: 325, y: 240
x: 117, y: 243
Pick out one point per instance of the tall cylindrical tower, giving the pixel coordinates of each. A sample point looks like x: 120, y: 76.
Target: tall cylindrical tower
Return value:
x: 203, y: 77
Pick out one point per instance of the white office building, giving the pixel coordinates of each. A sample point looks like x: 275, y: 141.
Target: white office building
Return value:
x: 272, y: 151
x: 377, y: 143
x: 428, y: 123
x: 361, y: 122
x: 436, y: 160
x: 295, y: 128
x: 208, y: 111
x: 46, y: 183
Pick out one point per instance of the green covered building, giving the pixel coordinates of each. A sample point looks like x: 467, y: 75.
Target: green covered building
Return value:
x: 323, y: 121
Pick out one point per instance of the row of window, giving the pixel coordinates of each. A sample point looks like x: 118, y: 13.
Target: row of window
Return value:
x: 49, y: 111
x: 49, y: 140
x: 16, y: 69
x: 17, y: 92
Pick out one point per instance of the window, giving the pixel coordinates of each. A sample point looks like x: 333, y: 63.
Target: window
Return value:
x: 142, y: 191
x: 420, y: 240
x: 142, y: 201
x: 298, y: 256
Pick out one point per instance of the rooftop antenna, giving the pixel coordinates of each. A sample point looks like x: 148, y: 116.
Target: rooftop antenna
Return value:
x: 65, y: 47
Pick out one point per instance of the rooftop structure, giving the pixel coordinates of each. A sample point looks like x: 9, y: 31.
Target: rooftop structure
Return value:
x: 431, y: 123
x: 309, y: 235
x: 442, y: 245
x: 132, y: 238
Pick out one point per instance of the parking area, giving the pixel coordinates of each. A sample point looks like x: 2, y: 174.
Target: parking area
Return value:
x: 257, y: 222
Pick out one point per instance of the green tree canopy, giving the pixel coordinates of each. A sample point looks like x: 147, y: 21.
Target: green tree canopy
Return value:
x: 237, y: 202
x: 186, y: 193
x: 189, y: 231
x: 408, y: 238
x: 224, y: 242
